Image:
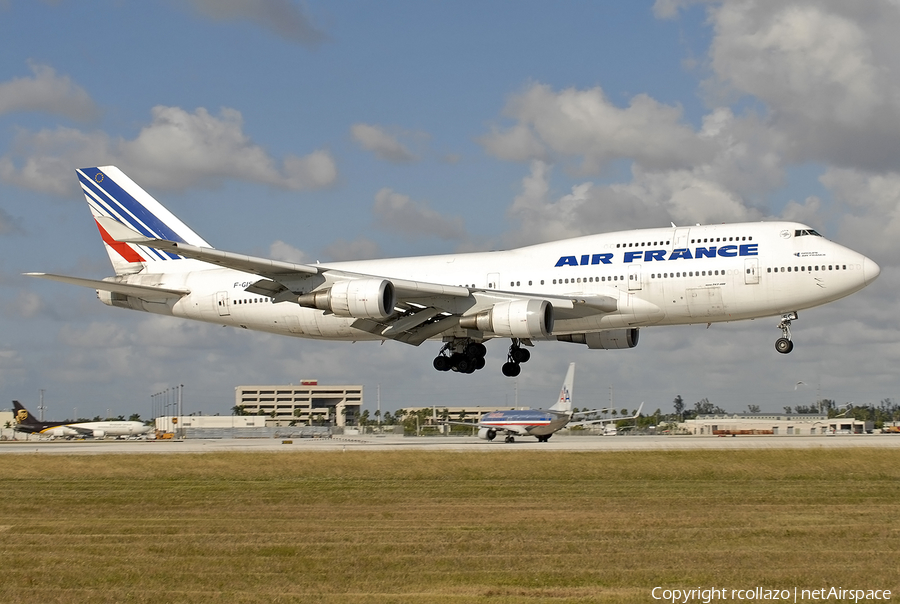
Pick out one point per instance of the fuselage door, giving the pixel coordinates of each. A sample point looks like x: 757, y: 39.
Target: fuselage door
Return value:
x: 493, y: 280
x: 222, y: 304
x: 751, y: 271
x: 634, y: 277
x: 681, y: 238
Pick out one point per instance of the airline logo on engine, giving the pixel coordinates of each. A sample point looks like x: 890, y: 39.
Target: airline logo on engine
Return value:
x: 724, y: 251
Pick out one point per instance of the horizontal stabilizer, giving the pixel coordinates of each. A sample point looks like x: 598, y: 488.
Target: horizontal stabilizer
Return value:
x: 145, y: 292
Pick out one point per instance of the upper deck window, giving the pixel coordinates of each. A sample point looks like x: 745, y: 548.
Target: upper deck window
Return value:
x: 802, y: 232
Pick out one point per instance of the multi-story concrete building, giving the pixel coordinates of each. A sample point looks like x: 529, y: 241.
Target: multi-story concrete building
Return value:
x: 308, y: 403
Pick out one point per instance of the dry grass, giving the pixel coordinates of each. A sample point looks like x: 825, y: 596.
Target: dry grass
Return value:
x: 436, y: 527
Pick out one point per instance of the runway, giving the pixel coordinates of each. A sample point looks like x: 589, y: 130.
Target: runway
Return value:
x: 451, y: 443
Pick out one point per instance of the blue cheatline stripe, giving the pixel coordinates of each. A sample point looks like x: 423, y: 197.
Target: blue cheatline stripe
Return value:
x: 118, y: 196
x: 145, y: 222
x: 147, y: 252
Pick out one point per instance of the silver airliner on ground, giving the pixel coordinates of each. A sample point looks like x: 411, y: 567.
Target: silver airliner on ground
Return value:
x: 597, y: 290
x: 542, y: 424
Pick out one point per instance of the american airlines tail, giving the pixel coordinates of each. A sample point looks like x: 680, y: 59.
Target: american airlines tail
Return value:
x: 564, y: 404
x: 110, y: 193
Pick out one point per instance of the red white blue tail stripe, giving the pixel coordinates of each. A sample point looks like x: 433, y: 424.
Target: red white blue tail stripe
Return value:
x: 109, y: 192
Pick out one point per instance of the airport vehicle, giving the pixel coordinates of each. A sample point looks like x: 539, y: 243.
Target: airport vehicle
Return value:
x: 597, y: 290
x: 24, y: 421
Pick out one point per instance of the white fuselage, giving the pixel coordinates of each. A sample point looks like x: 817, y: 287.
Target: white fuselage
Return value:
x: 98, y: 429
x: 663, y: 276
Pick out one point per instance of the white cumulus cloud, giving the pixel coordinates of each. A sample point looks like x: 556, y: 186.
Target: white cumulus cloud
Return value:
x: 49, y: 92
x: 584, y: 124
x: 177, y: 150
x: 413, y: 220
x: 381, y: 142
x: 287, y: 19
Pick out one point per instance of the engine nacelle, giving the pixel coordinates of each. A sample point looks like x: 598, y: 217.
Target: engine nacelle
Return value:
x: 357, y: 298
x: 605, y: 340
x: 487, y: 433
x: 119, y: 300
x: 516, y: 319
x: 99, y: 434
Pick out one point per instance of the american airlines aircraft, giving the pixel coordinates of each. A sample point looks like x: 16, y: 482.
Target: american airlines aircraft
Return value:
x: 529, y: 422
x: 539, y: 423
x: 597, y: 290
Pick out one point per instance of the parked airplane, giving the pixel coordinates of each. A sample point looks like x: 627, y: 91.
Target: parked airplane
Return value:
x: 608, y: 424
x: 26, y: 422
x: 597, y: 290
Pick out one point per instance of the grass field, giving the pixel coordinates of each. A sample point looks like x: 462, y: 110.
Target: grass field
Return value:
x: 439, y: 527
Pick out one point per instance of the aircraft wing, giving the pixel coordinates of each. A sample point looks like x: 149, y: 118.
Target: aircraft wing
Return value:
x: 425, y: 310
x: 144, y: 291
x: 80, y: 429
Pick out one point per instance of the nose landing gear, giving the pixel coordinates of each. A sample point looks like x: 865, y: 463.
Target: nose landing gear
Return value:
x: 784, y: 344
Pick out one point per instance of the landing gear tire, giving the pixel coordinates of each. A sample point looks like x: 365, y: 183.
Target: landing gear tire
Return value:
x: 461, y: 355
x: 510, y: 439
x: 520, y: 355
x: 783, y: 345
x: 517, y: 355
x: 511, y: 369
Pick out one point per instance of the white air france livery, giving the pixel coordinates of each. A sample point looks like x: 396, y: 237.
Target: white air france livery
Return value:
x: 597, y: 290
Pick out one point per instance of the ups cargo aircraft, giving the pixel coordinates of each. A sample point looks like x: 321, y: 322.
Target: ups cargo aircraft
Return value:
x: 23, y: 421
x: 597, y: 290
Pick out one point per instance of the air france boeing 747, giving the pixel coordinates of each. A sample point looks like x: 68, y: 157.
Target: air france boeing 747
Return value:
x: 597, y: 290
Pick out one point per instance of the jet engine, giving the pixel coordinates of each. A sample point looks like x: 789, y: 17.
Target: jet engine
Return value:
x: 517, y: 319
x: 357, y: 298
x: 119, y: 300
x: 604, y: 340
x: 99, y: 434
x: 487, y: 434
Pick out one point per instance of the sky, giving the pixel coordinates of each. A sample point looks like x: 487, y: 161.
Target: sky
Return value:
x: 315, y: 130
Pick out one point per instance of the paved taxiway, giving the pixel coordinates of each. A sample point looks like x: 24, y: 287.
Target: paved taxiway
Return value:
x: 452, y: 443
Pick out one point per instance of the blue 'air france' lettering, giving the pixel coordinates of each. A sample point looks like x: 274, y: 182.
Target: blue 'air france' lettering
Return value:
x: 725, y: 251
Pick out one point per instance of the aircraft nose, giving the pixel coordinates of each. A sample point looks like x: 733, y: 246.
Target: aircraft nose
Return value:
x: 871, y: 270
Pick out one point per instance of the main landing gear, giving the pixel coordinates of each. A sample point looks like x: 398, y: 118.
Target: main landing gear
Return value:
x: 784, y: 344
x: 461, y: 355
x: 517, y: 355
x: 467, y: 356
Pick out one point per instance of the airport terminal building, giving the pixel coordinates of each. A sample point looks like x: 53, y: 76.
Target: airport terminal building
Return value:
x: 786, y: 424
x: 308, y: 403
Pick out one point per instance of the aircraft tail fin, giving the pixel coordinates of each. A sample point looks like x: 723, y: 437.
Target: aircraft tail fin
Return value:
x: 21, y: 414
x: 564, y: 404
x: 110, y: 192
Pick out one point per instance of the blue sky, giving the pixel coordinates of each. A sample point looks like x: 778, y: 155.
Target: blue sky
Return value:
x: 339, y: 130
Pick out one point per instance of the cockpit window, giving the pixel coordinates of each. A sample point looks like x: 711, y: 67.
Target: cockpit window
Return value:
x: 802, y: 232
